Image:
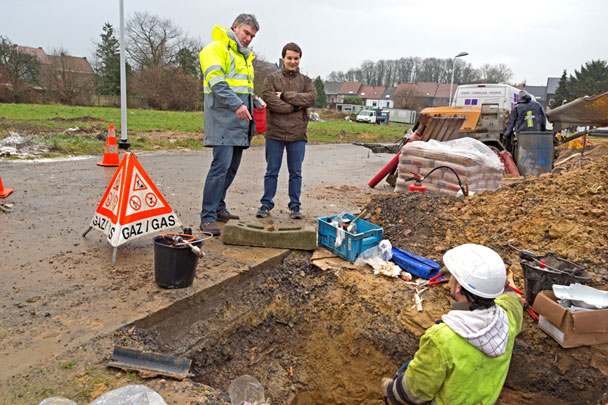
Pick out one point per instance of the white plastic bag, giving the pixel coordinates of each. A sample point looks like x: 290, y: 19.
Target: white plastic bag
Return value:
x: 337, y: 223
x: 378, y: 257
x: 383, y: 250
x: 130, y: 395
x: 466, y: 147
x: 246, y: 390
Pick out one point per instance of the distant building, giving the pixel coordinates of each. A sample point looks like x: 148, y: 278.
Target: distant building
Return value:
x: 544, y: 94
x: 64, y: 78
x: 348, y: 89
x: 387, y: 100
x: 371, y: 95
x: 331, y: 91
x: 552, y: 85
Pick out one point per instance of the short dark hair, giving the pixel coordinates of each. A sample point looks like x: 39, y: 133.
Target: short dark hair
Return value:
x: 476, y: 301
x: 246, y: 19
x: 292, y: 46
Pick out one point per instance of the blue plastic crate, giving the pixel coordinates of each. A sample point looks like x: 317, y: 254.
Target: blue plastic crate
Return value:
x: 368, y: 235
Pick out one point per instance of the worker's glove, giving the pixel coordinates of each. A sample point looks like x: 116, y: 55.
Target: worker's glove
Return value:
x: 386, y: 382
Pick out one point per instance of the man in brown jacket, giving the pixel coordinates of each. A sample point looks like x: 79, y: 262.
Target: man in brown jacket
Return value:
x: 288, y: 94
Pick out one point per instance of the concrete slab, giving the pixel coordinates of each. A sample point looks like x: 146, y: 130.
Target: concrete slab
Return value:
x: 273, y: 236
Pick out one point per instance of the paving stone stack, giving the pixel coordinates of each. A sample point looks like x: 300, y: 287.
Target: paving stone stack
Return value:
x: 472, y: 168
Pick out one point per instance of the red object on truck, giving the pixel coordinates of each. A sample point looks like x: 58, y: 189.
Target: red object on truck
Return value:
x: 510, y: 166
x: 260, y: 120
x: 385, y: 171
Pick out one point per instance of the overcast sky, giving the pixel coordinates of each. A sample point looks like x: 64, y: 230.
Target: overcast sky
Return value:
x: 535, y: 38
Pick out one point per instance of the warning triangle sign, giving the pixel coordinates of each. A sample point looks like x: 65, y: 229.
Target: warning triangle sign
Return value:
x: 132, y: 206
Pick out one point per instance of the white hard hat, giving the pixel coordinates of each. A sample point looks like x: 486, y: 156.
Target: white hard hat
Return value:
x: 478, y: 269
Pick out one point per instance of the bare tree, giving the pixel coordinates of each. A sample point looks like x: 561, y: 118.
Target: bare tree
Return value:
x: 168, y: 88
x: 405, y: 96
x: 152, y: 41
x: 19, y: 70
x: 500, y: 73
x: 68, y: 78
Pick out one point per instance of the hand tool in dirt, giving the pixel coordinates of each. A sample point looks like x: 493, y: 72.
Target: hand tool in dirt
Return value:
x: 149, y: 362
x: 438, y: 279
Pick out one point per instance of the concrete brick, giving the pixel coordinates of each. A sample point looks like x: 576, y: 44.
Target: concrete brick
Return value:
x: 273, y: 236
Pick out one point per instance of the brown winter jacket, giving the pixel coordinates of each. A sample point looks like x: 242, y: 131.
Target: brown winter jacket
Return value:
x: 288, y: 115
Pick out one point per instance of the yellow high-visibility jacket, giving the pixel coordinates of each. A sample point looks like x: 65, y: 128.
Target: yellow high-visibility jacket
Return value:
x: 448, y: 370
x: 228, y: 84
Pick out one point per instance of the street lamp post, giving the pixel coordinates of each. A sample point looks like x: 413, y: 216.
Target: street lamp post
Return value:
x: 453, y: 67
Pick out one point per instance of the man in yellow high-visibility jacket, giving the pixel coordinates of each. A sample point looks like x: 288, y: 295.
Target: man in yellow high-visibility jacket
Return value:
x: 228, y: 85
x: 465, y: 358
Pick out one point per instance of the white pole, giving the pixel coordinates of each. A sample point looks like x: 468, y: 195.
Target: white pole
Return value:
x: 123, y: 81
x: 454, y: 67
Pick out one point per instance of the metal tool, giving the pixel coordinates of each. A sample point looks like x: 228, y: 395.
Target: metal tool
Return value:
x: 149, y: 362
x: 181, y: 241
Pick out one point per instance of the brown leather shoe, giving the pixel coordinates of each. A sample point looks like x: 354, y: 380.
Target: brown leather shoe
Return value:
x: 210, y: 227
x: 226, y: 216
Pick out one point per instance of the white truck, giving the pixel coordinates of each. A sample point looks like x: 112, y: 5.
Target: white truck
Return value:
x: 502, y: 95
x: 368, y: 116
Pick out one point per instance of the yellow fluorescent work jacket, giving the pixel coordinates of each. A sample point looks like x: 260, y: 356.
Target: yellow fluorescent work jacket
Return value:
x: 449, y: 370
x: 228, y: 84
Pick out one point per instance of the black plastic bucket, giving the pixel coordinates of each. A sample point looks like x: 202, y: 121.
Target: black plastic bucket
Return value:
x: 174, y: 266
x: 556, y: 271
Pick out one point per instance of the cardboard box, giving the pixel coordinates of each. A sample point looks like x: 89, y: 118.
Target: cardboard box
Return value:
x: 571, y: 329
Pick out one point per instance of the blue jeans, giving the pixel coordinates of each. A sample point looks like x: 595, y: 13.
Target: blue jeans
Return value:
x: 226, y: 161
x: 274, y: 157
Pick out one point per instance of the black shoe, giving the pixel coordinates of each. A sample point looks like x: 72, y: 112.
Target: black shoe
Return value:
x: 210, y: 227
x: 226, y: 216
x: 295, y: 213
x: 262, y: 212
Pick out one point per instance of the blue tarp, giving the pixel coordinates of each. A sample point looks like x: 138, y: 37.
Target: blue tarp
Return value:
x: 416, y: 265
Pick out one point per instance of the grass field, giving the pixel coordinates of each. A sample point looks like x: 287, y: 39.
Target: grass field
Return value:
x: 171, y: 129
x: 60, y: 116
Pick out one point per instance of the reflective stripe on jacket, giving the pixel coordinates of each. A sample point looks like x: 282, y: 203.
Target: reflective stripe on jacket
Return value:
x: 527, y: 116
x: 448, y: 370
x: 228, y: 84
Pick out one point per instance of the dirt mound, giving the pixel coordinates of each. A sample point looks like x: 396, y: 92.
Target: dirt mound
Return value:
x: 564, y: 213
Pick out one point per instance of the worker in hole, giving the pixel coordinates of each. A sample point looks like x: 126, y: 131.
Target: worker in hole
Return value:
x: 527, y: 116
x: 464, y: 358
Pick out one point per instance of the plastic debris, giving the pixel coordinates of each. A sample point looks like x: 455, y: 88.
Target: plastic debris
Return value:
x: 130, y: 395
x: 246, y: 390
x: 378, y: 257
x: 57, y: 401
x: 582, y: 296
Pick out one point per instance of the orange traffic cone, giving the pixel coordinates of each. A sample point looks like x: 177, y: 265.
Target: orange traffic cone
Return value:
x: 110, y: 157
x: 4, y: 192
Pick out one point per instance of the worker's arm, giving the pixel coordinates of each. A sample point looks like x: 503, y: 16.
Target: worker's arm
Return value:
x: 513, y: 304
x: 543, y: 119
x: 275, y: 104
x: 304, y: 99
x: 212, y: 64
x: 510, y: 124
x: 423, y: 378
x: 427, y: 371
